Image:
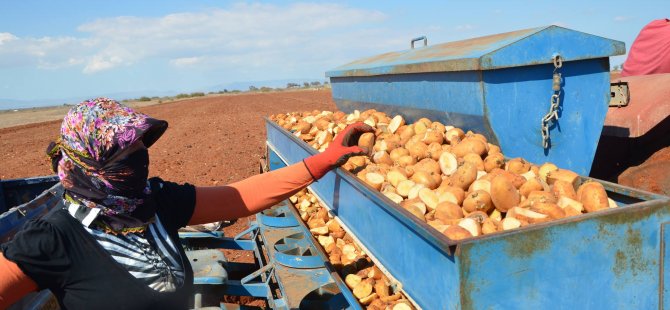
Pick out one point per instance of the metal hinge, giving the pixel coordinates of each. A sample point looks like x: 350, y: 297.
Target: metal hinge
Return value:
x: 619, y: 94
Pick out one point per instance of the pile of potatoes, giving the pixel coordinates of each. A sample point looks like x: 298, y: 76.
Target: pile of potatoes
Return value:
x: 372, y: 288
x: 455, y: 181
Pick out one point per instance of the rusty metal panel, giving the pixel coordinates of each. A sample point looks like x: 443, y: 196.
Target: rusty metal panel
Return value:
x: 608, y: 260
x: 648, y: 106
x: 511, y: 49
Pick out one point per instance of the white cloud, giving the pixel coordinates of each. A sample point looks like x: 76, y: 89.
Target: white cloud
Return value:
x: 6, y: 37
x: 242, y: 35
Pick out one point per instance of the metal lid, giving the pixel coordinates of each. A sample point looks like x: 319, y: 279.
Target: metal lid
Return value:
x: 512, y: 49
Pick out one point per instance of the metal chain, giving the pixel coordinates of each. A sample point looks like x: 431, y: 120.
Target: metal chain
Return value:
x: 555, y: 102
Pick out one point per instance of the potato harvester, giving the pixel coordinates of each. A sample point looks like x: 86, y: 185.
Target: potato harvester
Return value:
x: 541, y: 94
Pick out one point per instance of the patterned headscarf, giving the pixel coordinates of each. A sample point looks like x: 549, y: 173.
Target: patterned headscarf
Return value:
x: 102, y: 161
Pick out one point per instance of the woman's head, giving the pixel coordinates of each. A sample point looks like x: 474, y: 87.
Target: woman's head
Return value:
x: 101, y: 153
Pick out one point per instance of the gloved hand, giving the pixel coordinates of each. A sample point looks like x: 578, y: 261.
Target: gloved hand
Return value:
x: 338, y: 151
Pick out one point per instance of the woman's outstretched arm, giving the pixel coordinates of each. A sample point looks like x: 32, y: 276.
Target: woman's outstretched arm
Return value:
x: 14, y: 284
x: 249, y: 196
x: 262, y: 191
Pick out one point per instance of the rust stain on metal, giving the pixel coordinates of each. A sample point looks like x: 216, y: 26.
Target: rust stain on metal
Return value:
x: 524, y: 245
x: 466, y: 287
x: 631, y: 259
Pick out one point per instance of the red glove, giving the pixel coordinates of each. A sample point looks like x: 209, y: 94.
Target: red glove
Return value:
x: 338, y: 151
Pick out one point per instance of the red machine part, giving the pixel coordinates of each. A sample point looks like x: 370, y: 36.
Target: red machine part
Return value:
x: 648, y: 106
x: 634, y: 149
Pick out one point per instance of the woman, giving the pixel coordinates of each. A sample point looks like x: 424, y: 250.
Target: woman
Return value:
x: 113, y: 242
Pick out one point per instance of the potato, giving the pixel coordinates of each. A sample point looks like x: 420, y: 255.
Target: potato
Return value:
x: 478, y: 216
x: 417, y: 208
x: 510, y: 223
x: 406, y: 160
x: 455, y: 232
x: 357, y: 161
x: 374, y: 179
x: 612, y: 203
x: 503, y: 194
x: 494, y: 161
x: 369, y: 299
x: 563, y: 175
x: 321, y: 123
x: 428, y: 165
x: 541, y: 196
x: 429, y: 198
x: 324, y: 137
x: 478, y: 136
x: 414, y: 191
x: 565, y: 202
x: 478, y: 201
x: 527, y: 215
x: 474, y: 159
x: 464, y: 176
x: 363, y: 289
x: 418, y: 150
x: 319, y: 230
x: 395, y: 123
x: 425, y: 178
x: 393, y: 196
x: 530, y: 186
x: 434, y: 151
x: 493, y: 149
x: 395, y: 176
x: 438, y: 225
x: 496, y: 215
x: 405, y: 133
x: 397, y: 153
x: 471, y: 225
x: 404, y: 187
x: 483, y: 185
x: 469, y: 145
x: 593, y: 196
x: 448, y: 163
x: 517, y: 165
x: 446, y: 211
x: 550, y: 209
x: 571, y: 211
x: 457, y: 193
x: 386, y: 145
x: 431, y: 136
x: 302, y: 127
x: 352, y: 280
x: 490, y: 226
x: 367, y: 141
x: 516, y: 179
x: 545, y: 169
x: 382, y: 289
x: 454, y: 135
x: 562, y: 188
x: 420, y: 129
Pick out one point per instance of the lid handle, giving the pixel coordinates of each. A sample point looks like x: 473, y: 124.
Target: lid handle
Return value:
x: 425, y: 41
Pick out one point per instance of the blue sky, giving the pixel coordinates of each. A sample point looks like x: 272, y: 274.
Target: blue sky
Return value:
x: 72, y: 49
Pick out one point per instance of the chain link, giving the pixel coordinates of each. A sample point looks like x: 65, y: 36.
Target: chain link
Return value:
x: 555, y: 102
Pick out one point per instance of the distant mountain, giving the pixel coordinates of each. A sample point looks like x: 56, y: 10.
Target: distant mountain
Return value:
x: 269, y: 83
x: 9, y: 104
